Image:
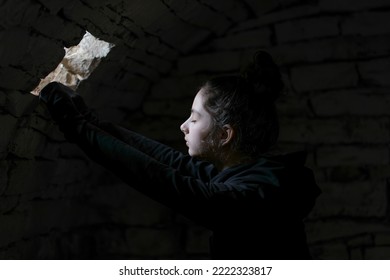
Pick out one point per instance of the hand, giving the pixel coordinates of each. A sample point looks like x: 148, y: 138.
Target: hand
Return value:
x: 63, y: 103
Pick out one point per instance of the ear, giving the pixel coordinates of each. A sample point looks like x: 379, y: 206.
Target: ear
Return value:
x: 227, y: 134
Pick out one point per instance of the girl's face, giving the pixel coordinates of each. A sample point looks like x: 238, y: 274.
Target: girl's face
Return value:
x: 197, y: 128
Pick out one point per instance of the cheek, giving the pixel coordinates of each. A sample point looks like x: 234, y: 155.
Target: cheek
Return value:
x: 201, y: 134
x: 199, y: 142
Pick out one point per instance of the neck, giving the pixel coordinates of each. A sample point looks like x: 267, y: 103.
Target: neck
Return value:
x: 233, y: 159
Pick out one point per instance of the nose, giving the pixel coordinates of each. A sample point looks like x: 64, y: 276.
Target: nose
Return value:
x: 184, y: 127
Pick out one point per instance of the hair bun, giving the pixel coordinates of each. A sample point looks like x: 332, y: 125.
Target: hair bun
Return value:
x: 263, y: 74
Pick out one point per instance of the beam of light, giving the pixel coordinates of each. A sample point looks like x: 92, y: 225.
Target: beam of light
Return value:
x: 78, y: 63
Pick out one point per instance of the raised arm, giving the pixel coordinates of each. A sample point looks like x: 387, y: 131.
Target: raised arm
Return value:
x: 58, y: 93
x: 170, y: 184
x: 160, y: 152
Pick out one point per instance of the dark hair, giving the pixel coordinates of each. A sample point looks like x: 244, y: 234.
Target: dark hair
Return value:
x: 247, y: 103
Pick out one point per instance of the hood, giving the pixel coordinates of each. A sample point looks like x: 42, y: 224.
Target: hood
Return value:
x: 296, y: 182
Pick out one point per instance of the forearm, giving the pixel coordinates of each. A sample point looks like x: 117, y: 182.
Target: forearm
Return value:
x: 151, y: 177
x: 160, y: 152
x: 154, y: 149
x: 64, y: 105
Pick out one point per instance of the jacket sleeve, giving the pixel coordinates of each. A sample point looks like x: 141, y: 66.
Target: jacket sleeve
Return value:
x: 194, y: 197
x: 160, y: 152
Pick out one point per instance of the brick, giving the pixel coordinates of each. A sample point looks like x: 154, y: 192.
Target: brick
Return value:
x: 375, y: 72
x: 277, y: 16
x: 13, y: 78
x: 293, y: 106
x: 95, y: 3
x: 334, y: 131
x: 163, y: 129
x: 54, y: 133
x: 247, y: 39
x: 14, y: 230
x: 70, y: 171
x: 374, y: 46
x: 231, y: 9
x: 340, y: 229
x: 8, y: 203
x: 50, y: 151
x: 14, y: 52
x: 183, y: 43
x: 377, y: 253
x: 20, y: 104
x: 36, y: 56
x: 157, y: 242
x: 45, y: 53
x: 109, y: 242
x: 352, y: 155
x: 330, y: 251
x: 288, y: 3
x: 197, y: 14
x: 140, y: 69
x: 96, y: 98
x: 170, y: 108
x: 99, y: 24
x: 165, y: 25
x: 55, y: 6
x: 352, y: 199
x: 176, y: 88
x: 348, y: 174
x: 3, y: 100
x: 54, y: 27
x: 28, y: 176
x: 210, y: 62
x: 340, y: 48
x: 305, y: 29
x: 22, y: 13
x: 379, y: 172
x: 8, y: 126
x: 27, y: 143
x: 382, y: 238
x: 3, y: 177
x: 366, y: 24
x: 38, y: 247
x: 153, y: 45
x: 324, y: 76
x: 356, y: 254
x: 159, y: 63
x: 262, y: 7
x: 197, y: 240
x: 78, y: 12
x: 351, y: 102
x: 38, y: 123
x: 144, y: 211
x: 361, y: 241
x: 351, y: 5
x: 108, y: 73
x: 43, y: 215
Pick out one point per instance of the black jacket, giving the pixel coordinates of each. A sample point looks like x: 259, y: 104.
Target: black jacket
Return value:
x: 255, y: 211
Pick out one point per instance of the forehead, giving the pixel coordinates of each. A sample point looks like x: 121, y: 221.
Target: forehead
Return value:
x: 197, y: 105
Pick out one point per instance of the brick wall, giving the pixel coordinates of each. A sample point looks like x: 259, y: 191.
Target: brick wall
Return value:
x: 334, y: 55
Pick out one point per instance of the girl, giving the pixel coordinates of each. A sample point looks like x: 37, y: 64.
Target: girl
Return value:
x: 253, y: 203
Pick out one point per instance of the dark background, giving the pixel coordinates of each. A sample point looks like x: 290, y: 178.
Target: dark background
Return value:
x: 334, y: 55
